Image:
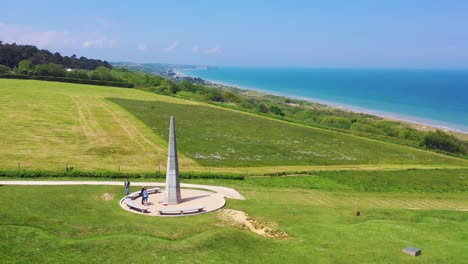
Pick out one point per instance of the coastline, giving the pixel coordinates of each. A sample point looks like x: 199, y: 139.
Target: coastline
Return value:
x: 417, y: 122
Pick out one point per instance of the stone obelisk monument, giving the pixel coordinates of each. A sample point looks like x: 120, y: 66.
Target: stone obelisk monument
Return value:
x: 172, y: 194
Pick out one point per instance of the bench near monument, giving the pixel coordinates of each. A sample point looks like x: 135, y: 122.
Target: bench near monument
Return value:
x: 131, y: 204
x: 154, y: 190
x: 179, y: 211
x: 134, y: 195
x: 137, y: 194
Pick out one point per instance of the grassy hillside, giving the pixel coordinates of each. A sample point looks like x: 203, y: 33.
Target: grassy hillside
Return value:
x: 216, y: 137
x: 46, y: 125
x: 71, y: 224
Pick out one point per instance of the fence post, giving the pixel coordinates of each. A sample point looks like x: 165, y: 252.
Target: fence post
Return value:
x: 19, y: 166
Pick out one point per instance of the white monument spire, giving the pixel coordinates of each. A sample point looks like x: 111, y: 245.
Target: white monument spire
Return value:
x: 172, y: 194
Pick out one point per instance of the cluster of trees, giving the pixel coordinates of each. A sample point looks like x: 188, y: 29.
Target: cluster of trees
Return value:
x: 12, y: 54
x: 185, y: 88
x: 27, y: 67
x: 198, y: 91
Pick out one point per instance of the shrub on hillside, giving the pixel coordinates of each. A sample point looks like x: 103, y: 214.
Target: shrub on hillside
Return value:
x: 445, y: 142
x: 276, y: 110
x: 25, y: 67
x: 50, y: 69
x: 78, y: 74
x: 4, y: 69
x: 410, y: 133
x: 262, y: 107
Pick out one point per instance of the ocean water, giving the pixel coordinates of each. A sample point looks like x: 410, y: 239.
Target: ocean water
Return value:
x: 433, y: 97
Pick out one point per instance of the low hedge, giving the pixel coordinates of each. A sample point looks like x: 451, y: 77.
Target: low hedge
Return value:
x: 209, y: 175
x: 283, y: 173
x: 68, y: 80
x: 113, y: 174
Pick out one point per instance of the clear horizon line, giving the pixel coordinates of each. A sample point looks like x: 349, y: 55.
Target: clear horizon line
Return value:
x: 302, y: 66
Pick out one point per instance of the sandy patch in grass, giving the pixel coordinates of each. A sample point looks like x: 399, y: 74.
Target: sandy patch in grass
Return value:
x: 107, y: 197
x: 241, y: 219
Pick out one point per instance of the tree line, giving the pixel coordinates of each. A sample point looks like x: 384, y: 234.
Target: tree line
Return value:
x: 12, y: 54
x: 28, y: 68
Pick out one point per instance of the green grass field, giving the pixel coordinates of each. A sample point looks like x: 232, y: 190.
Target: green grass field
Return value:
x: 432, y: 180
x: 74, y: 224
x: 45, y: 125
x: 49, y: 125
x: 216, y: 137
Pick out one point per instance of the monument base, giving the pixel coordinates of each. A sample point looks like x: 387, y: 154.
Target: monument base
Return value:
x: 193, y: 202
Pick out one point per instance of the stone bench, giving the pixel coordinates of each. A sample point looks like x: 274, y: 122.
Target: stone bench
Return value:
x: 154, y: 190
x: 179, y: 211
x: 135, y: 195
x: 129, y: 202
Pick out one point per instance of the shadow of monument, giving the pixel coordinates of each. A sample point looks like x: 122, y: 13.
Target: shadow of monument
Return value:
x: 188, y: 199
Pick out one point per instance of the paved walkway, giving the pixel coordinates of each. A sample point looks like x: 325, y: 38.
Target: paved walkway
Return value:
x: 224, y: 191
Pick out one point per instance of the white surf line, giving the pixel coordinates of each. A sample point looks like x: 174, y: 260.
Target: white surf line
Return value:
x: 225, y: 191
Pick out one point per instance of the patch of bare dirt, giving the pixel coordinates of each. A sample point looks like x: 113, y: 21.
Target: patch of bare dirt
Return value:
x: 241, y: 219
x: 107, y: 197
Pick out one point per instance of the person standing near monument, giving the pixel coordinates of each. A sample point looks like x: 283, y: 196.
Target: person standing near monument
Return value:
x: 145, y: 196
x: 127, y: 186
x: 142, y: 192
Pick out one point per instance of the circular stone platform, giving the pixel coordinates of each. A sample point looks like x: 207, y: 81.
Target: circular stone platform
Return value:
x: 190, y: 198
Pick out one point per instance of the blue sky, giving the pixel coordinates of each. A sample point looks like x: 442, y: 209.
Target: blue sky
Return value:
x: 357, y: 33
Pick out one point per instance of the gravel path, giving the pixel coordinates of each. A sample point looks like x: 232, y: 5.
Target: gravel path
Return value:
x: 224, y: 191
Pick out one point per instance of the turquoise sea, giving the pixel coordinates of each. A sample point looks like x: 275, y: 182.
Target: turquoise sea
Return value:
x: 433, y: 97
